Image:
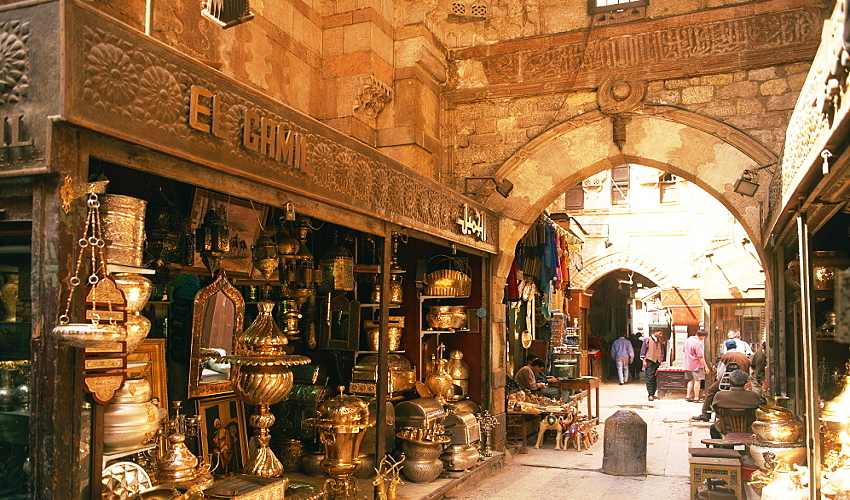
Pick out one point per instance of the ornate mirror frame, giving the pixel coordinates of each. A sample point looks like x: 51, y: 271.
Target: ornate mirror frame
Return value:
x: 202, y: 299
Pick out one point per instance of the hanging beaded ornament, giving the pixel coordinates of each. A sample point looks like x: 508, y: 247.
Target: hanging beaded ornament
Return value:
x: 103, y: 302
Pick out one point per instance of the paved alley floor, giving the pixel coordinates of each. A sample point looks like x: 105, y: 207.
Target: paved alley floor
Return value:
x: 554, y: 475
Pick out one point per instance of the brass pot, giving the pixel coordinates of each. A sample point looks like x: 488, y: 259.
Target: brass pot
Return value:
x: 373, y: 333
x: 458, y: 457
x: 396, y: 292
x: 446, y: 317
x: 136, y: 289
x: 778, y: 431
x: 130, y: 420
x: 790, y: 453
x: 439, y: 382
x: 123, y: 222
x: 422, y: 471
x: 824, y: 265
x: 774, y: 413
x: 290, y: 451
x: 312, y: 464
x: 138, y: 328
x: 366, y: 469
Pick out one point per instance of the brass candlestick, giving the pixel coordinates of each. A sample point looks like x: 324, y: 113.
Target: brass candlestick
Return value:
x: 260, y: 376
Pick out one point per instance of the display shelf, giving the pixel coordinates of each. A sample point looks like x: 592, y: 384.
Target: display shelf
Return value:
x: 373, y: 306
x: 108, y: 457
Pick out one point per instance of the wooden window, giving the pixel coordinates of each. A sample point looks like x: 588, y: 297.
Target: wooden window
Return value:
x: 667, y: 188
x: 620, y: 185
x: 574, y: 197
x: 597, y: 6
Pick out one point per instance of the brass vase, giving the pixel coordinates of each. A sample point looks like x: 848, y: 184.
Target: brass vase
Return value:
x: 261, y: 377
x: 440, y: 382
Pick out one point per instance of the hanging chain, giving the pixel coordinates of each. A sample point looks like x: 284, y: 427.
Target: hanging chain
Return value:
x: 93, y: 243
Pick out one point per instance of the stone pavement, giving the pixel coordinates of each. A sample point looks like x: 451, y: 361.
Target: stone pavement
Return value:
x: 554, y: 475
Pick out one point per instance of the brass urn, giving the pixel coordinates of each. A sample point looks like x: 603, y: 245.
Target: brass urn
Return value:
x: 260, y: 376
x: 440, y: 382
x: 835, y: 431
x: 341, y: 422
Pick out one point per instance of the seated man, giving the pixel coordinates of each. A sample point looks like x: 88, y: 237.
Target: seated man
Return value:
x: 732, y: 356
x: 526, y: 379
x: 735, y: 398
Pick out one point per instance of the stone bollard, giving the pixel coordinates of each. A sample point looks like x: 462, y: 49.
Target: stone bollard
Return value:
x: 624, y: 452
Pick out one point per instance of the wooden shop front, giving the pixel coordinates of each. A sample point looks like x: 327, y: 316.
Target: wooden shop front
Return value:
x: 104, y: 102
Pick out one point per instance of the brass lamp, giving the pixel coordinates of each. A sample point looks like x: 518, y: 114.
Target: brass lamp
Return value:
x: 264, y: 256
x: 337, y: 267
x: 297, y: 271
x: 163, y: 234
x: 212, y: 238
x: 261, y: 377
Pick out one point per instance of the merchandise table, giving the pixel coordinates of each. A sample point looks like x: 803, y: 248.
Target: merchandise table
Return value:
x: 584, y: 383
x: 521, y: 424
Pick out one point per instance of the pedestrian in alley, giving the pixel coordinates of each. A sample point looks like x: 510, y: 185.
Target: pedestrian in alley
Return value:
x: 695, y: 365
x: 732, y: 358
x: 634, y: 368
x: 653, y: 352
x: 623, y: 354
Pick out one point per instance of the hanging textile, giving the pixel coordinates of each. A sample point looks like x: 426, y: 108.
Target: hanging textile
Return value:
x: 512, y: 292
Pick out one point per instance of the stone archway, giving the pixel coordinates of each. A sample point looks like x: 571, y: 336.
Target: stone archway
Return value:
x: 705, y: 152
x: 633, y: 261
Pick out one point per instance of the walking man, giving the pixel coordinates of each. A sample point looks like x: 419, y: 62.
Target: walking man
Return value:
x: 653, y: 352
x: 695, y: 365
x: 623, y: 354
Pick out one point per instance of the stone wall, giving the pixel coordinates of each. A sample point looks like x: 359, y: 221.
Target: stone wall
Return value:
x: 757, y: 101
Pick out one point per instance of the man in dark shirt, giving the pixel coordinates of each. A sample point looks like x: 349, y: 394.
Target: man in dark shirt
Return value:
x: 735, y: 398
x: 732, y: 357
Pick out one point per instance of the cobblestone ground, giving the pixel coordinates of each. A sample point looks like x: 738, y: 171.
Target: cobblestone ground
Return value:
x: 554, y: 475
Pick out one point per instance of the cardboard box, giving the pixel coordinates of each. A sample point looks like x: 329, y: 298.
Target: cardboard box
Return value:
x: 728, y: 469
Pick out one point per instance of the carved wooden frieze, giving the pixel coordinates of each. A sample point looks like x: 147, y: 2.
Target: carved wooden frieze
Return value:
x: 25, y: 104
x: 138, y: 90
x: 677, y: 47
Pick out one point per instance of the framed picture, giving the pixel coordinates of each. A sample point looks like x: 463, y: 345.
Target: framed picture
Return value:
x: 149, y: 360
x: 224, y: 437
x: 243, y: 221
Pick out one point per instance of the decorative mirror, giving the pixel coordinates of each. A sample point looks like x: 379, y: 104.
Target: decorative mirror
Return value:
x: 217, y: 316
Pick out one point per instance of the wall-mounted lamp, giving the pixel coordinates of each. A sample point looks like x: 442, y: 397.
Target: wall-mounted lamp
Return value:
x: 227, y: 13
x: 504, y: 188
x: 746, y: 186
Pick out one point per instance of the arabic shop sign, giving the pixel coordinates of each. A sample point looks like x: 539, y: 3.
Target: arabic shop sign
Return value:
x: 471, y: 222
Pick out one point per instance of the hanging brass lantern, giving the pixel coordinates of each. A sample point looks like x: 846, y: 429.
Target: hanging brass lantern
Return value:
x: 212, y: 238
x: 163, y: 234
x: 337, y: 267
x: 300, y: 280
x: 264, y: 256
